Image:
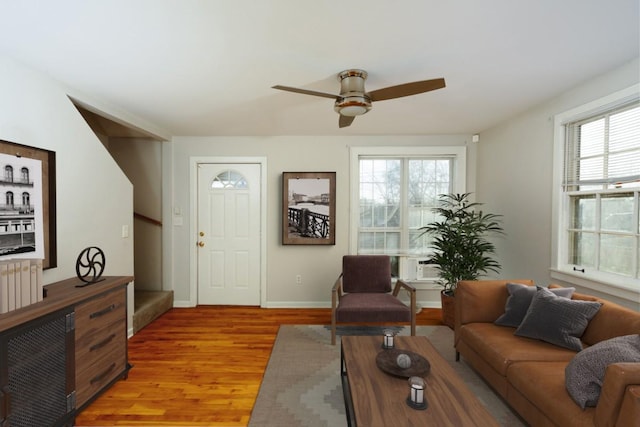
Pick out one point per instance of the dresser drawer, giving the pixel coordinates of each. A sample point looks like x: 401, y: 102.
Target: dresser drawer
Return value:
x: 101, y: 343
x: 99, y: 361
x: 96, y: 314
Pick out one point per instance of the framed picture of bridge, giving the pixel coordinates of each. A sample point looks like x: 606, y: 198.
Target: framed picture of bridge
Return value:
x: 308, y: 208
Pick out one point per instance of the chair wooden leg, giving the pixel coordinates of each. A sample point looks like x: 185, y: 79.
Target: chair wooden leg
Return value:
x: 335, y: 296
x: 413, y: 313
x: 333, y: 328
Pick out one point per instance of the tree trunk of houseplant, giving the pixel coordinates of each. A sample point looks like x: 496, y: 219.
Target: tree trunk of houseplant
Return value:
x: 448, y: 308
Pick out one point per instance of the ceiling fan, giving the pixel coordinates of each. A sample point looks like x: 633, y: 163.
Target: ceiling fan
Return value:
x: 354, y: 101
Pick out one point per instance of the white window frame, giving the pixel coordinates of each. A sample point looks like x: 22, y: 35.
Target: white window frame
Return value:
x: 620, y: 286
x: 457, y: 152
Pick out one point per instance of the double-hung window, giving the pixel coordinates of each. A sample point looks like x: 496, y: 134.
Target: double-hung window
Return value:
x: 394, y: 193
x: 599, y: 223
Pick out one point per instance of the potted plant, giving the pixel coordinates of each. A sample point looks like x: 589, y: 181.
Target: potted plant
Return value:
x: 461, y: 249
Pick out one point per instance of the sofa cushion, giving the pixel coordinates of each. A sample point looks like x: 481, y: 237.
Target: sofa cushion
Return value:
x: 519, y: 300
x: 500, y: 348
x: 557, y: 320
x: 377, y: 307
x: 585, y: 373
x: 366, y: 273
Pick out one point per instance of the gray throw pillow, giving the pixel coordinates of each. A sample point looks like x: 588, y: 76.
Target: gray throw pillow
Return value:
x: 557, y: 320
x: 519, y: 300
x: 584, y: 374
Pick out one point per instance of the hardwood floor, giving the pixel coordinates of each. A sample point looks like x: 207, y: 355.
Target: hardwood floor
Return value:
x: 201, y: 366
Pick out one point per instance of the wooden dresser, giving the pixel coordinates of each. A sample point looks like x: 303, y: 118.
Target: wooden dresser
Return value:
x: 76, y: 338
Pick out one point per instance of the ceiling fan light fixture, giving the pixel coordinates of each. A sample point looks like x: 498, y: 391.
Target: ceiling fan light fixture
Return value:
x: 352, y: 106
x: 353, y: 110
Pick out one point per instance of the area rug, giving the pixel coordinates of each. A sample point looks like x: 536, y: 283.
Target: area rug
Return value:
x: 301, y: 385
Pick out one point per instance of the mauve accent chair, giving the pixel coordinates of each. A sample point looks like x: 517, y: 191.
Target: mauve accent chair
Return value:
x: 362, y: 294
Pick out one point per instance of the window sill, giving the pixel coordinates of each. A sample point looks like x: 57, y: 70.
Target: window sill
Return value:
x: 623, y: 291
x: 424, y: 285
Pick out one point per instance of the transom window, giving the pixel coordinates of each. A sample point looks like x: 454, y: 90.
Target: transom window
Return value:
x: 229, y: 180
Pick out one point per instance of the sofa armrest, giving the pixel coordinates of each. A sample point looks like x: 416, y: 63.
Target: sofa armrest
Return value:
x: 630, y: 409
x: 617, y: 380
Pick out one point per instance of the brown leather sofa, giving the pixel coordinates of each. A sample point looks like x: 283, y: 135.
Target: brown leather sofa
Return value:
x: 530, y: 374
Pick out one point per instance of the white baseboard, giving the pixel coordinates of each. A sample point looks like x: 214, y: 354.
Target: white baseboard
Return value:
x: 429, y: 304
x: 182, y: 304
x: 297, y: 304
x: 327, y: 304
x: 305, y: 304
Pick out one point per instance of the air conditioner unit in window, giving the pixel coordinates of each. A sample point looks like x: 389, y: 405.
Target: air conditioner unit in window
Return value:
x: 420, y: 269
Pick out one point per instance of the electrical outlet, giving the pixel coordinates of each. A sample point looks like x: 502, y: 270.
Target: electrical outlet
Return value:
x: 298, y: 279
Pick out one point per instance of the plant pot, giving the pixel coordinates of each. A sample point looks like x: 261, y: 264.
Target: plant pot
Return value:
x: 448, y: 308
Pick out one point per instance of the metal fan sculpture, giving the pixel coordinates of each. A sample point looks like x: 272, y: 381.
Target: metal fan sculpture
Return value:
x: 354, y: 101
x: 90, y: 265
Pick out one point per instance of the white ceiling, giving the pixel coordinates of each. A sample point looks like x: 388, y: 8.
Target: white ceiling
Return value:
x: 195, y: 67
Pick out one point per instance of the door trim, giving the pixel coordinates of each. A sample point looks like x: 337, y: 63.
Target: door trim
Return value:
x: 193, y: 219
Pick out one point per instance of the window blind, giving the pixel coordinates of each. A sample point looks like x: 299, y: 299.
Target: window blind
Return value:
x: 603, y: 152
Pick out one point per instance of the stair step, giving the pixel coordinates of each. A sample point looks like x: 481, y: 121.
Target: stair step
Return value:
x: 149, y: 305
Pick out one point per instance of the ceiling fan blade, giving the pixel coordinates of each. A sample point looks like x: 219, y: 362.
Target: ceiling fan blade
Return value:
x: 406, y: 89
x: 305, y: 91
x: 345, y: 121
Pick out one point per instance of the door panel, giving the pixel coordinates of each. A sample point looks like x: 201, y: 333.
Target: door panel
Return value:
x: 229, y: 234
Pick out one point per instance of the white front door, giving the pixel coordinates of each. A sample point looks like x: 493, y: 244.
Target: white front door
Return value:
x: 229, y: 234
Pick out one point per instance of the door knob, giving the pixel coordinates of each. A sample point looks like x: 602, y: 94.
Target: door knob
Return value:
x: 201, y: 244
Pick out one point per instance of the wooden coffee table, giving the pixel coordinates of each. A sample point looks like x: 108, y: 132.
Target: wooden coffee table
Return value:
x: 374, y: 398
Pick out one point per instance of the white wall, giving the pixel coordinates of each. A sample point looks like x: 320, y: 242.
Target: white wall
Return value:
x: 514, y: 177
x: 319, y: 266
x: 141, y: 160
x: 94, y: 198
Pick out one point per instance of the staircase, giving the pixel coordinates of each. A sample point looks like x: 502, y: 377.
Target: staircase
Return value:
x: 149, y: 305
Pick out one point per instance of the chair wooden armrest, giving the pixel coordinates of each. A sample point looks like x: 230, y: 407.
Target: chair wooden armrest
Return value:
x: 413, y: 306
x: 336, y: 294
x: 402, y: 284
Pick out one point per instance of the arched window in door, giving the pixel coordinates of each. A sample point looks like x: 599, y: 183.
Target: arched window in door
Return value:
x: 9, y: 199
x: 229, y: 180
x: 24, y: 172
x: 8, y: 173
